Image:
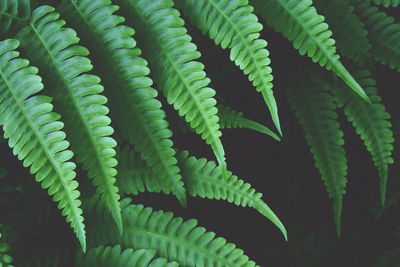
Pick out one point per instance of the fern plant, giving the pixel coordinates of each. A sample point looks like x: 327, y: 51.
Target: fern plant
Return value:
x: 73, y: 72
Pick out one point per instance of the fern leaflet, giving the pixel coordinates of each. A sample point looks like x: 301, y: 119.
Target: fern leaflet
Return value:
x: 371, y: 123
x: 387, y: 3
x: 230, y: 118
x: 172, y: 55
x: 114, y: 256
x: 5, y: 258
x: 35, y: 134
x: 137, y: 111
x: 383, y: 33
x: 315, y: 108
x: 13, y: 10
x: 77, y: 95
x: 202, y: 178
x: 350, y: 33
x: 232, y: 24
x: 172, y: 238
x: 299, y: 22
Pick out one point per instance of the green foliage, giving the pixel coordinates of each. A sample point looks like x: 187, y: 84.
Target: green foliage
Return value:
x: 387, y: 3
x: 77, y: 98
x: 182, y: 79
x: 383, y: 33
x: 231, y: 24
x: 315, y: 108
x: 203, y: 179
x: 35, y: 135
x: 140, y: 118
x: 102, y: 89
x: 299, y: 22
x: 114, y: 256
x: 371, y: 123
x: 171, y: 237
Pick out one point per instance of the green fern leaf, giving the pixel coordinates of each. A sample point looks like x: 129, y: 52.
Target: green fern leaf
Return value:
x: 299, y: 22
x: 387, y: 3
x: 315, y: 108
x: 383, y: 33
x: 172, y: 238
x: 11, y: 11
x: 137, y: 111
x: 202, y: 178
x: 371, y: 123
x: 5, y: 258
x: 232, y: 24
x: 35, y: 134
x: 230, y: 118
x: 77, y: 95
x: 114, y: 256
x: 350, y: 33
x: 172, y: 56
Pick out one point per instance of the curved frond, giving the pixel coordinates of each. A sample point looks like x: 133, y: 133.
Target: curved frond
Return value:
x: 115, y: 256
x: 134, y: 105
x: 371, y: 123
x: 387, y: 3
x: 315, y: 109
x: 299, y: 22
x: 230, y: 118
x: 383, y: 33
x: 34, y: 133
x: 232, y: 24
x: 173, y: 57
x: 77, y: 96
x: 349, y: 32
x: 171, y: 237
x: 202, y: 178
x: 13, y: 11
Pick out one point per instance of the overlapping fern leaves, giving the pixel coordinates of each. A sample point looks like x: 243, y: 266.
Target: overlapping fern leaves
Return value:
x: 77, y: 96
x: 35, y: 135
x: 140, y: 117
x: 315, y: 108
x: 299, y: 22
x: 171, y: 237
x: 383, y: 33
x: 177, y: 72
x: 231, y: 24
x: 202, y: 179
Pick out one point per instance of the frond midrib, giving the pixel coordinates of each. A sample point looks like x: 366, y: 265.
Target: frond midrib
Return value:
x: 45, y: 149
x: 215, y: 139
x: 324, y: 145
x: 77, y: 111
x: 141, y: 231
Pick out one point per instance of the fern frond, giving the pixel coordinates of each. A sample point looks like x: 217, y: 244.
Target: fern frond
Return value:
x: 371, y: 123
x: 299, y: 22
x: 5, y: 258
x: 231, y: 24
x: 13, y: 11
x: 137, y: 111
x: 349, y: 32
x: 315, y: 109
x: 114, y: 256
x: 171, y: 237
x: 201, y: 177
x: 230, y: 118
x: 35, y: 134
x: 78, y: 97
x: 173, y: 57
x: 383, y: 33
x: 387, y: 3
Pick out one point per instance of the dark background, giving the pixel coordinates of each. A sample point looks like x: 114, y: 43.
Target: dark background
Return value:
x: 284, y: 172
